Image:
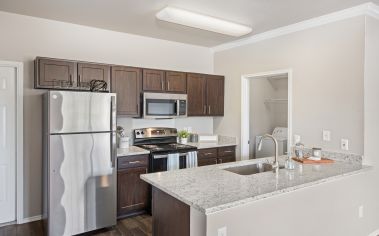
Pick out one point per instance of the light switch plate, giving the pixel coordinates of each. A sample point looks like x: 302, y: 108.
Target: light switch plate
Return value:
x: 360, y: 211
x: 345, y: 144
x: 326, y: 135
x: 221, y: 231
x: 296, y: 138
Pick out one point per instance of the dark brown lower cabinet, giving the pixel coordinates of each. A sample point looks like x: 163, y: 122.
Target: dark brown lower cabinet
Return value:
x: 206, y: 161
x: 211, y: 156
x: 133, y: 194
x: 171, y: 217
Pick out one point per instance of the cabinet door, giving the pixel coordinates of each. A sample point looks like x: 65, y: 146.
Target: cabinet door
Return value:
x: 126, y: 83
x: 153, y: 80
x: 176, y: 82
x: 196, y: 84
x: 132, y: 192
x: 91, y: 71
x: 215, y: 95
x: 206, y: 161
x: 55, y: 73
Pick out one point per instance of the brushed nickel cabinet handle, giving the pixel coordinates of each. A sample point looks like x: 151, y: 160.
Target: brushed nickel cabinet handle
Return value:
x: 162, y: 85
x: 78, y: 80
x: 209, y: 109
x: 208, y: 153
x: 205, y: 109
x: 134, y: 162
x: 168, y: 85
x: 70, y: 80
x: 228, y: 151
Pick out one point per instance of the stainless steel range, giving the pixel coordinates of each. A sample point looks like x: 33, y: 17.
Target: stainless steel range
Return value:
x: 161, y: 142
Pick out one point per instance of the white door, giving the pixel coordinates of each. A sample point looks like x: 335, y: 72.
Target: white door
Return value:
x: 7, y: 144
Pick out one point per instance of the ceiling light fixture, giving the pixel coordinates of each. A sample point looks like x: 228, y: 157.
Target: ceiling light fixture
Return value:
x: 195, y: 20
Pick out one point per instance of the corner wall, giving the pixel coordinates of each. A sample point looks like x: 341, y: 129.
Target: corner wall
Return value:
x: 23, y: 38
x: 327, y: 63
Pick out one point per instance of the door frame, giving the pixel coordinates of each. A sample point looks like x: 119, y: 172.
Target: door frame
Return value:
x: 19, y: 139
x: 245, y: 108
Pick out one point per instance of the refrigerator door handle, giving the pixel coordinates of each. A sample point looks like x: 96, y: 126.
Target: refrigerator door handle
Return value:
x: 114, y: 149
x: 113, y: 128
x: 113, y: 113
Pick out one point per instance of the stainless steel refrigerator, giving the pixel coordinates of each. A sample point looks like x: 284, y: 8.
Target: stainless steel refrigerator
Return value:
x: 79, y: 162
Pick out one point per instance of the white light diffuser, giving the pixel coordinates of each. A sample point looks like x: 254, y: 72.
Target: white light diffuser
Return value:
x: 195, y: 20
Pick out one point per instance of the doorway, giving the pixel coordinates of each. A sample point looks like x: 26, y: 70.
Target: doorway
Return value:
x: 11, y: 142
x: 266, y: 109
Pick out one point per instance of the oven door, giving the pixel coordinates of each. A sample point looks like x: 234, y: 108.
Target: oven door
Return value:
x: 158, y: 162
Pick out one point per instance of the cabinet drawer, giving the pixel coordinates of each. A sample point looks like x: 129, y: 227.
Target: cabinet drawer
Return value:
x: 226, y: 159
x: 207, y: 153
x: 227, y: 151
x: 132, y: 161
x: 207, y: 161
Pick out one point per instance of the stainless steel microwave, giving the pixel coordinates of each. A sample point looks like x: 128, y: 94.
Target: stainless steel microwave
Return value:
x: 164, y: 105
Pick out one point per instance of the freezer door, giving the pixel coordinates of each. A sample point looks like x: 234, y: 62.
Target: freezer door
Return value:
x: 82, y: 183
x: 78, y: 112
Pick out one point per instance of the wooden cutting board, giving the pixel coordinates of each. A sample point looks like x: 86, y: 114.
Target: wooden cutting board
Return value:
x: 305, y: 160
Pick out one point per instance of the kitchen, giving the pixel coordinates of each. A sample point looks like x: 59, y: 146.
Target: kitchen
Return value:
x: 352, y: 61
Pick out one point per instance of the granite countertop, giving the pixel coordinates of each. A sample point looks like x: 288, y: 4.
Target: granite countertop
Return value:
x: 222, y: 141
x: 210, y: 189
x: 132, y: 150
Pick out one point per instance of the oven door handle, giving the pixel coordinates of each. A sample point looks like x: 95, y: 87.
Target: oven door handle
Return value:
x: 166, y: 156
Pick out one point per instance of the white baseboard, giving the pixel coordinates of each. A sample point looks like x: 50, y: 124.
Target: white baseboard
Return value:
x: 375, y: 233
x: 30, y: 219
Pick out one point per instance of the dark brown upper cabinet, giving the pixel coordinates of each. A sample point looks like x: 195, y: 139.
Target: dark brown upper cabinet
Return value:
x: 215, y: 95
x: 153, y: 80
x: 65, y: 74
x: 196, y: 95
x: 176, y: 82
x: 91, y: 71
x: 164, y: 81
x: 54, y: 73
x: 126, y: 82
x: 205, y: 95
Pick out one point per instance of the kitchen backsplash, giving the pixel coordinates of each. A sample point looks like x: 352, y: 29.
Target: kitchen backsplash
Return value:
x: 201, y: 125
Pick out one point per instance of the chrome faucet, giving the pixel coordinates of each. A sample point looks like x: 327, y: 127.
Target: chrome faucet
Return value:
x: 275, y: 164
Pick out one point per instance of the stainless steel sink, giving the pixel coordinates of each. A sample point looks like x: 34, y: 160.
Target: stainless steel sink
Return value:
x: 250, y: 169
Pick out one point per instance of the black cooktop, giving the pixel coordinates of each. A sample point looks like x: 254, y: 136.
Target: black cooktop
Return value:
x: 167, y: 147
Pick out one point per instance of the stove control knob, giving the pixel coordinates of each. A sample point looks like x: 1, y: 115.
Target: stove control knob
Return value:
x: 142, y: 133
x: 137, y: 133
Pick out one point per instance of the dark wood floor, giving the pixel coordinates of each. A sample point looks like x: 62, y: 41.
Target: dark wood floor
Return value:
x: 134, y: 226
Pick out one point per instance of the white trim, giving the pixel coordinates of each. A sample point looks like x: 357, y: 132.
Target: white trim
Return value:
x: 30, y: 219
x: 245, y: 108
x: 19, y: 138
x: 366, y: 9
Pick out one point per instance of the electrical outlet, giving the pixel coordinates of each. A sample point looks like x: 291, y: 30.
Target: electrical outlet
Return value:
x: 345, y: 144
x: 221, y: 231
x: 360, y: 211
x: 326, y: 135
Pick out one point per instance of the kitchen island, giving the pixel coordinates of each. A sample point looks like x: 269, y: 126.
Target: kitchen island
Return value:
x: 185, y: 201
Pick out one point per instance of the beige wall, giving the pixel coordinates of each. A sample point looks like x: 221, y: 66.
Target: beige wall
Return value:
x: 329, y: 208
x: 327, y: 64
x: 23, y: 38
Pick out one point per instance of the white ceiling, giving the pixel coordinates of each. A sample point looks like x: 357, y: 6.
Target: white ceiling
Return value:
x: 138, y: 16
